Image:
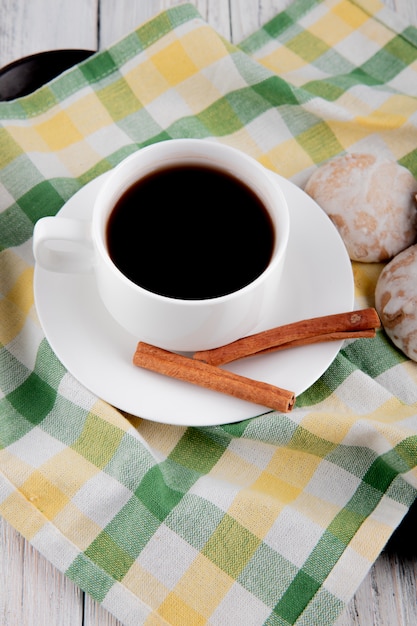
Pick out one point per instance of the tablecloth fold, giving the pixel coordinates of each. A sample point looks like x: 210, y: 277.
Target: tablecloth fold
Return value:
x: 274, y: 520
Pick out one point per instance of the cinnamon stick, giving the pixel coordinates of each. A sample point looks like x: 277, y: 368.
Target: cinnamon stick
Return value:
x: 307, y: 341
x: 349, y: 325
x: 212, y: 377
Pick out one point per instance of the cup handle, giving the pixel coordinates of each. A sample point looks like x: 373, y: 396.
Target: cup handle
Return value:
x: 63, y: 245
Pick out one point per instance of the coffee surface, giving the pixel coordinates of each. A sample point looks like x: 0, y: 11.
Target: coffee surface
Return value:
x: 190, y: 232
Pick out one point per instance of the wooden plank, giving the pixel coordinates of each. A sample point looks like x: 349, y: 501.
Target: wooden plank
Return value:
x: 39, y: 25
x: 116, y: 23
x: 387, y: 596
x: 32, y: 590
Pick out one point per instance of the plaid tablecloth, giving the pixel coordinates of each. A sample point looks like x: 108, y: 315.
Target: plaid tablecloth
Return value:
x: 274, y: 520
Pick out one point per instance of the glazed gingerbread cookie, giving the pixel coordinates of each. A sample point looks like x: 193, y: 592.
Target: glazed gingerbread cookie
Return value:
x: 372, y: 203
x: 396, y: 300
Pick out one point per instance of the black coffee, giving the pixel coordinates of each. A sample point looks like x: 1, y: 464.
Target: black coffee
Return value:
x: 190, y: 232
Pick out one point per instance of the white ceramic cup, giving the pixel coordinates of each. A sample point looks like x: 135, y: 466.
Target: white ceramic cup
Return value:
x: 68, y: 245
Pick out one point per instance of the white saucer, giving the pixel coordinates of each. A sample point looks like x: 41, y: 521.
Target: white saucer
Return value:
x: 317, y: 280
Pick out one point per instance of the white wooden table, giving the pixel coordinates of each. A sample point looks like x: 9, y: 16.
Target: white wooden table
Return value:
x: 33, y: 592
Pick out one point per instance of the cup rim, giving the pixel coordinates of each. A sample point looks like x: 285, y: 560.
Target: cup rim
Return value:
x: 108, y: 195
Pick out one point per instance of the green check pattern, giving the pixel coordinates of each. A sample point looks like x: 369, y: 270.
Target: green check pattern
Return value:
x: 274, y: 520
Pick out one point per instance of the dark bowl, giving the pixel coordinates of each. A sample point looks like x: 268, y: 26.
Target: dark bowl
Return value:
x: 24, y: 76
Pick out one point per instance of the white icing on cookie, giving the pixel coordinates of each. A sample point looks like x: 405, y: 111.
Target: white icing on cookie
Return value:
x: 396, y: 300
x: 372, y: 203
